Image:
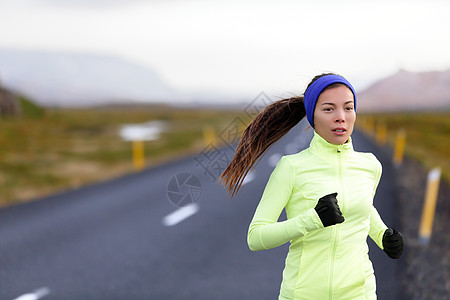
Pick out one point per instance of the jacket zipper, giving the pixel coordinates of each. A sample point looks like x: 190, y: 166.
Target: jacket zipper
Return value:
x: 333, y: 254
x: 341, y: 181
x: 336, y: 228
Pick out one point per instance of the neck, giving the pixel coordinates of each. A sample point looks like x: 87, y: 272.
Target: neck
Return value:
x: 319, y: 144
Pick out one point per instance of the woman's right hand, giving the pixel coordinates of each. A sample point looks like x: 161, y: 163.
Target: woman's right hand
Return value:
x: 393, y: 243
x: 328, y: 210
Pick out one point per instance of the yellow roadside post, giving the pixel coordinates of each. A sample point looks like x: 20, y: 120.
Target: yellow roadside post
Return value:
x: 399, y: 150
x: 369, y: 126
x: 381, y: 133
x: 364, y: 125
x: 138, y: 155
x: 360, y: 123
x: 209, y: 135
x: 429, y: 206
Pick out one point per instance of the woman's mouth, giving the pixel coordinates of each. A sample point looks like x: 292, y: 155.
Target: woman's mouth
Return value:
x: 339, y: 131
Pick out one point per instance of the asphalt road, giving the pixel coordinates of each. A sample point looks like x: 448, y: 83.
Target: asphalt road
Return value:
x: 111, y: 240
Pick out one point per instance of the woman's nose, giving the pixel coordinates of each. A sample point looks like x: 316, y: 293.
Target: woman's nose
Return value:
x: 340, y: 117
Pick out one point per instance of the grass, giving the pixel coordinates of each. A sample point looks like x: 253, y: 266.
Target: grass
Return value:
x: 46, y: 151
x: 427, y: 136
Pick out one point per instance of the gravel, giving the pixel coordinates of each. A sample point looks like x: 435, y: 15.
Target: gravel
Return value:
x: 425, y: 268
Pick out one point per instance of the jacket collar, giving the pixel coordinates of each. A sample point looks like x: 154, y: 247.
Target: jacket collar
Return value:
x: 319, y: 144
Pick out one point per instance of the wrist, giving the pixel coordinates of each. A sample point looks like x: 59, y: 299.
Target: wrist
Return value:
x: 314, y: 220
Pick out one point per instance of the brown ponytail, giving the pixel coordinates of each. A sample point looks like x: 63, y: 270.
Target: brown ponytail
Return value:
x: 268, y: 127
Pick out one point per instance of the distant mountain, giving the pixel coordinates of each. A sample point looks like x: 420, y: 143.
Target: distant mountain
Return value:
x: 408, y: 91
x: 64, y: 79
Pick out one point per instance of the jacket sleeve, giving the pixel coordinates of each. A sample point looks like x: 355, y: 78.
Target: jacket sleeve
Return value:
x: 265, y: 231
x: 377, y: 226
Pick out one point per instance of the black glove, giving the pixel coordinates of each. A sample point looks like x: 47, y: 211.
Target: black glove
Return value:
x: 393, y: 243
x: 328, y: 210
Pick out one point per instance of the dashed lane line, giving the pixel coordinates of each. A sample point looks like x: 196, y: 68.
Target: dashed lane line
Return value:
x: 36, y: 295
x: 250, y: 176
x: 180, y: 214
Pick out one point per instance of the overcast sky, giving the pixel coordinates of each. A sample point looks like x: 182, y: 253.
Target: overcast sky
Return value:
x: 240, y: 47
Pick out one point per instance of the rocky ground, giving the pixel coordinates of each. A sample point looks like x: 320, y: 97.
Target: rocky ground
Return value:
x: 425, y: 268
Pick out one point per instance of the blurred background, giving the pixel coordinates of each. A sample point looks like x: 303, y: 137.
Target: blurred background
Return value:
x: 57, y: 55
x: 81, y: 80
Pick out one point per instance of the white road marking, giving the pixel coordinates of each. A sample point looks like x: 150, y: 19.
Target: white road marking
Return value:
x: 36, y: 295
x: 273, y: 159
x: 250, y: 176
x: 180, y: 214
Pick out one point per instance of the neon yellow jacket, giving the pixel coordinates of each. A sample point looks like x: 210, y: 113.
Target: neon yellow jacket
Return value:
x: 322, y: 263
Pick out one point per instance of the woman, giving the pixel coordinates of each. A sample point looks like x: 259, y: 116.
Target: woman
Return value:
x: 327, y: 191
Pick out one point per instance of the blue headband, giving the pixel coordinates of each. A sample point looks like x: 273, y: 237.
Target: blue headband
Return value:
x: 312, y: 93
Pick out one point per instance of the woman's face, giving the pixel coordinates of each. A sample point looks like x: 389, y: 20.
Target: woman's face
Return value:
x: 334, y: 115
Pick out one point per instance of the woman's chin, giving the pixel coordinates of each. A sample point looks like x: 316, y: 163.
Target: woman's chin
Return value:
x: 338, y: 140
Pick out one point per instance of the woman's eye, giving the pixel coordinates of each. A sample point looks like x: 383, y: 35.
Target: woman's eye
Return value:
x: 349, y: 108
x: 327, y: 109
